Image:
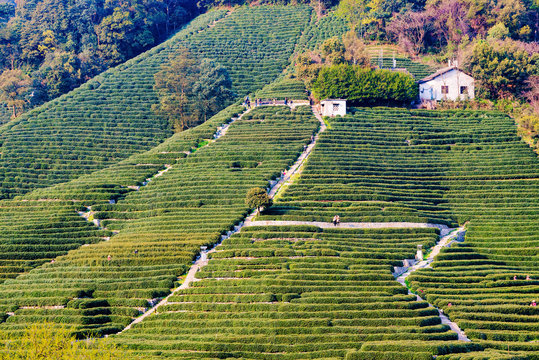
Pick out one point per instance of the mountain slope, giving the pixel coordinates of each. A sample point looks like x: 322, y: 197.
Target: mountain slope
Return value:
x: 110, y: 117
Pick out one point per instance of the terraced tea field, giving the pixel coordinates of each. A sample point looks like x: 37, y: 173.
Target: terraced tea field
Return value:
x: 320, y: 30
x: 298, y: 293
x: 293, y: 89
x: 442, y: 167
x: 267, y: 292
x: 162, y: 227
x: 5, y: 114
x: 110, y: 118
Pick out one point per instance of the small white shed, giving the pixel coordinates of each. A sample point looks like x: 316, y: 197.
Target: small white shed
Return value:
x: 333, y: 107
x: 450, y: 83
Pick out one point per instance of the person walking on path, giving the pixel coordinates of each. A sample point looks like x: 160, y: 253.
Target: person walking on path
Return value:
x: 336, y: 220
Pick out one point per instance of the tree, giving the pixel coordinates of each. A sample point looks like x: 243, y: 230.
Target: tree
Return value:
x: 360, y: 12
x: 174, y: 84
x: 502, y: 69
x: 60, y: 73
x: 355, y: 50
x: 7, y: 10
x: 45, y: 341
x: 498, y: 32
x: 308, y: 66
x: 332, y: 50
x: 112, y: 36
x: 365, y: 86
x: 258, y: 198
x: 532, y: 95
x: 14, y: 86
x: 410, y: 30
x: 212, y: 89
x: 190, y: 93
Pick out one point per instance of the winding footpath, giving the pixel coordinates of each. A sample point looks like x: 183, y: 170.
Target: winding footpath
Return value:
x: 456, y: 235
x: 448, y: 236
x: 219, y: 132
x: 274, y: 187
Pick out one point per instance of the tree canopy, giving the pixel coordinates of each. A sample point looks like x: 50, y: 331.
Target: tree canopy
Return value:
x: 365, y: 86
x: 191, y: 91
x: 258, y: 198
x: 61, y: 44
x: 14, y: 87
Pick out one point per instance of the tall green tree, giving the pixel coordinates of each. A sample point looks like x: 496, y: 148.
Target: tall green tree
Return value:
x: 502, y: 70
x: 14, y: 87
x: 360, y: 13
x: 365, y: 86
x: 174, y: 85
x: 257, y: 198
x: 212, y: 89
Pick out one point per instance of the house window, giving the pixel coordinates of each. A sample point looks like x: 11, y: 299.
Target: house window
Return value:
x: 464, y: 90
x: 445, y: 89
x: 335, y: 107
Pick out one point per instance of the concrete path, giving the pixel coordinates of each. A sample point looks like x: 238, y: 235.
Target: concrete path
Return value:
x: 445, y: 241
x: 297, y: 168
x: 202, y: 260
x: 190, y: 277
x: 349, y: 225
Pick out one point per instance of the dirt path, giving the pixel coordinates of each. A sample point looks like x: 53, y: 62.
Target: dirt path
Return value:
x: 445, y: 241
x: 202, y: 260
x: 297, y: 168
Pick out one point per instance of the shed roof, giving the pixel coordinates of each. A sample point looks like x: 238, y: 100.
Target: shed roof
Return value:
x: 440, y: 73
x: 333, y: 100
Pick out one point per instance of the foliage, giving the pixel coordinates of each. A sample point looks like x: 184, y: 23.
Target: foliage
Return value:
x: 191, y: 91
x: 94, y: 34
x: 44, y: 341
x: 174, y: 85
x: 332, y: 51
x: 364, y: 86
x: 7, y: 10
x: 212, y: 89
x: 345, y: 49
x: 498, y: 32
x: 110, y: 117
x: 447, y: 27
x: 502, y: 69
x: 14, y: 87
x: 355, y: 50
x: 360, y: 12
x: 257, y: 198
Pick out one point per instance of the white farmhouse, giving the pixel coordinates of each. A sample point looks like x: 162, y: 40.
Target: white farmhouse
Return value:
x: 333, y: 107
x: 449, y: 83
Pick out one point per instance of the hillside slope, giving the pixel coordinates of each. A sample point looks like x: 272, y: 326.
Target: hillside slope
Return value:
x: 110, y: 117
x: 200, y: 197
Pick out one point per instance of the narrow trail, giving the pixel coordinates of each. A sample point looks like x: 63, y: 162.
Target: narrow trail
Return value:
x: 448, y: 236
x: 456, y: 235
x: 350, y: 225
x: 297, y: 168
x: 219, y: 132
x: 203, y: 258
